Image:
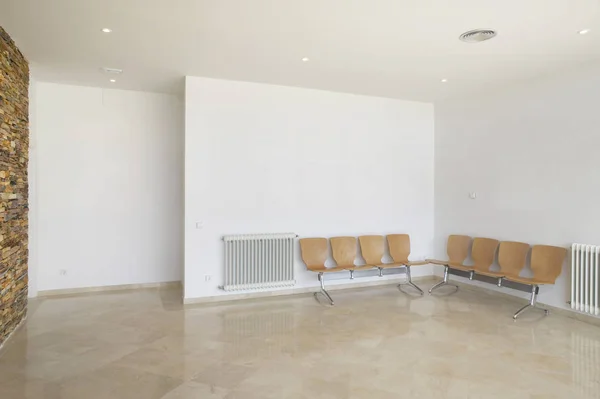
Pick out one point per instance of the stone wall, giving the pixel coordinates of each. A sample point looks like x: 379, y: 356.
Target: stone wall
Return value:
x: 14, y: 147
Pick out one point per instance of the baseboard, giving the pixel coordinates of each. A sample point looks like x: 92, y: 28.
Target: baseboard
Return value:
x: 572, y: 314
x: 124, y: 287
x: 297, y: 291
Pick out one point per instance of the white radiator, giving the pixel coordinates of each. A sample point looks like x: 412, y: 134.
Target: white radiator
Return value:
x: 257, y: 261
x: 585, y: 265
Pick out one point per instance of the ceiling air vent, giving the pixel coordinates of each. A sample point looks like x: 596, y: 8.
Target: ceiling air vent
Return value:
x: 114, y: 71
x: 477, y: 35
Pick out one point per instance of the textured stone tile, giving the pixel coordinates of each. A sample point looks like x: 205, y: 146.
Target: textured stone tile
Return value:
x: 14, y: 150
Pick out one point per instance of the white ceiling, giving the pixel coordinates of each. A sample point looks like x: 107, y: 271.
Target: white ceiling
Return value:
x: 392, y: 48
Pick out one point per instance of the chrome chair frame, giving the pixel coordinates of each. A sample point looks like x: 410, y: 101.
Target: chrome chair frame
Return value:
x: 535, y: 289
x: 323, y: 291
x: 409, y: 282
x: 444, y: 282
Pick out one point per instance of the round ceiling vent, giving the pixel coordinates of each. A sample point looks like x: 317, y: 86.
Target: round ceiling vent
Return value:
x: 477, y: 35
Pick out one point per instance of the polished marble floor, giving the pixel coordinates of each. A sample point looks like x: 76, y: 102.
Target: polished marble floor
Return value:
x: 375, y: 343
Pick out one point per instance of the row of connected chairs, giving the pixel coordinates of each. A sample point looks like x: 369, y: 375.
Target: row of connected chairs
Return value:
x: 314, y: 253
x: 546, y: 262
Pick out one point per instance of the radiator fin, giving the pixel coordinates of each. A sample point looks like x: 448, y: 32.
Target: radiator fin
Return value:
x: 585, y: 265
x: 259, y: 261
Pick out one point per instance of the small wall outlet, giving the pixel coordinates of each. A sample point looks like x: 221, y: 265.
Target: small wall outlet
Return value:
x: 207, y: 277
x: 62, y: 272
x: 473, y: 195
x: 199, y: 224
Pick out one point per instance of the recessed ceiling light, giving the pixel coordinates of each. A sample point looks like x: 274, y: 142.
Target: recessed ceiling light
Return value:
x: 584, y: 32
x: 444, y: 80
x: 305, y: 59
x: 106, y: 30
x: 113, y: 80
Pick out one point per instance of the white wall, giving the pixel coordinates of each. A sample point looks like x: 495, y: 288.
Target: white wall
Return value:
x: 109, y: 187
x: 263, y: 158
x: 531, y: 154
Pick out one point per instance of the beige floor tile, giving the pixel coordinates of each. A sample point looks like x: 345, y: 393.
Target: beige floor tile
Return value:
x: 196, y: 390
x: 183, y: 366
x: 375, y: 343
x: 223, y: 375
x: 115, y: 382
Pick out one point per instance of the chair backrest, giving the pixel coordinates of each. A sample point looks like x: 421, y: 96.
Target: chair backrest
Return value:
x: 458, y: 248
x: 483, y: 253
x: 371, y: 248
x: 314, y: 252
x: 343, y: 250
x: 512, y: 256
x: 546, y: 262
x: 399, y: 245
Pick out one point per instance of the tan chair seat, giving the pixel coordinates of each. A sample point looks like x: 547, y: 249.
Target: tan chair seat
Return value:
x: 355, y: 268
x: 452, y: 265
x: 490, y: 273
x: 460, y: 266
x: 401, y: 264
x: 388, y: 265
x: 417, y: 263
x: 322, y: 269
x: 528, y: 280
x: 437, y: 262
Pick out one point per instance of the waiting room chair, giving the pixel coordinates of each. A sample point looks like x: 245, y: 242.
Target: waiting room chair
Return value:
x: 457, y: 248
x: 314, y: 253
x: 483, y: 254
x: 372, y: 249
x: 546, y: 264
x: 343, y: 250
x: 512, y: 257
x: 399, y: 245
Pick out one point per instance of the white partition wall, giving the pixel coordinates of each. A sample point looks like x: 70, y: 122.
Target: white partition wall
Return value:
x: 268, y: 159
x: 108, y: 187
x: 530, y: 153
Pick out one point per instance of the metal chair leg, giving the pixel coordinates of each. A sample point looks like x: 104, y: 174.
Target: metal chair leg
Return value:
x: 444, y: 282
x: 323, y: 291
x: 409, y: 282
x: 438, y: 285
x: 532, y: 301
